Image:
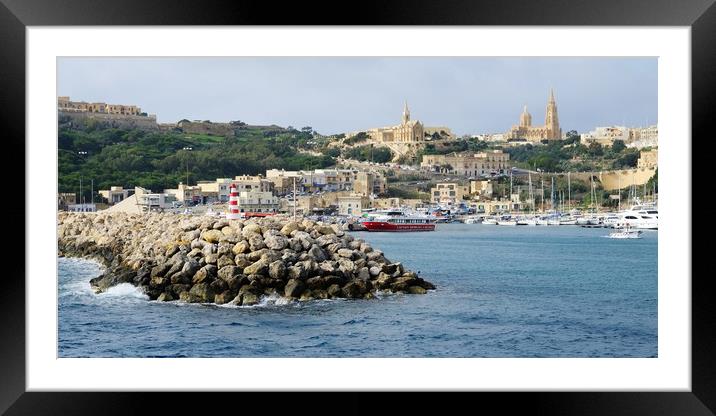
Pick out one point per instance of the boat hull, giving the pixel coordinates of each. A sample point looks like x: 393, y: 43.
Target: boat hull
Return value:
x: 392, y: 227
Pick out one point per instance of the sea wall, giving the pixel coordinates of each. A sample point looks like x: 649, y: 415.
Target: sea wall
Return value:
x: 209, y: 260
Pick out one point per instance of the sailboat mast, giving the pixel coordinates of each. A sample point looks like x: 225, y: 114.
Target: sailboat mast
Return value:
x: 569, y: 193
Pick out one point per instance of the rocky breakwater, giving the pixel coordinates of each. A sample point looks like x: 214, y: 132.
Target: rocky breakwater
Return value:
x: 209, y: 260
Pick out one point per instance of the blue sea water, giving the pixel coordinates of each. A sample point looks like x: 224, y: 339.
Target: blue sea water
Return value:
x: 501, y: 292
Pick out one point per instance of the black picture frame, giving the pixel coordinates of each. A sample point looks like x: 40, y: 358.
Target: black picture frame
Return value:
x: 16, y: 15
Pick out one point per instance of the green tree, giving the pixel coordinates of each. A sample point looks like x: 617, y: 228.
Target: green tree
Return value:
x: 618, y: 146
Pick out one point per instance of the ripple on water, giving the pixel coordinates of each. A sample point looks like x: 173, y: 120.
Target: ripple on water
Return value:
x: 501, y: 293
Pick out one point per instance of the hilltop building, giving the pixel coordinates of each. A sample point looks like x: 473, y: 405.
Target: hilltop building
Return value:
x: 406, y: 137
x: 648, y: 159
x: 637, y: 137
x: 492, y: 162
x: 526, y: 132
x: 65, y: 104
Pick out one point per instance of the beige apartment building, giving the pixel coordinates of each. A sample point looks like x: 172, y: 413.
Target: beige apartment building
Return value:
x: 115, y: 194
x: 492, y: 162
x: 448, y: 193
x: 258, y: 201
x: 369, y: 183
x: 481, y: 188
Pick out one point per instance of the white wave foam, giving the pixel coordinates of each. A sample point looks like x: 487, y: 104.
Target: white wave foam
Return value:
x: 124, y: 290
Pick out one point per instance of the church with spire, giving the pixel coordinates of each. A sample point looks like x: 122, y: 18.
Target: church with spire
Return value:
x: 408, y: 131
x: 525, y: 130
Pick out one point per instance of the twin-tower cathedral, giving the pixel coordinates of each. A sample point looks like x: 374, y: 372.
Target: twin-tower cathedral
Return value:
x: 550, y: 130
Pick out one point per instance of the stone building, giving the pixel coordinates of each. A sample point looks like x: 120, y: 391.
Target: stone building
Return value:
x: 648, y: 159
x: 407, y: 131
x: 605, y: 136
x: 116, y: 194
x: 492, y: 162
x: 257, y: 201
x: 65, y: 104
x: 481, y: 188
x: 369, y: 183
x: 406, y: 138
x: 352, y: 204
x: 549, y: 131
x: 448, y: 193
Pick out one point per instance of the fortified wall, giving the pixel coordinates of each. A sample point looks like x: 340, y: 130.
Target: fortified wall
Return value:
x: 613, y: 180
x: 124, y: 121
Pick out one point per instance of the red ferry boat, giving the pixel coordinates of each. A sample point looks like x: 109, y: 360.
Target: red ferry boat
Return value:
x: 399, y: 222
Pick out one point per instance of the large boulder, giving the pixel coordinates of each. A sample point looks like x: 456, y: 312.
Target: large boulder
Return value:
x: 344, y: 252
x: 201, y: 292
x: 204, y: 274
x: 212, y: 236
x: 317, y: 253
x: 241, y: 247
x: 259, y: 267
x: 277, y: 269
x: 249, y: 229
x: 227, y: 272
x: 324, y: 229
x: 416, y: 290
x: 275, y: 241
x: 290, y: 227
x: 224, y: 261
x: 293, y: 288
x: 334, y: 291
x: 256, y: 242
x: 249, y: 298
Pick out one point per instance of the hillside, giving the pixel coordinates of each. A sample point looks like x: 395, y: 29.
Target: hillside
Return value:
x: 157, y: 159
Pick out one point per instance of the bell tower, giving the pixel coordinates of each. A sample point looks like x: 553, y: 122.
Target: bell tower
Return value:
x: 551, y: 121
x: 406, y: 113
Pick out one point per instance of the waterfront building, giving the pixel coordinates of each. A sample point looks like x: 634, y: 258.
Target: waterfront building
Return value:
x: 318, y: 180
x: 258, y: 201
x: 525, y: 131
x: 369, y: 183
x: 65, y: 104
x: 82, y: 207
x: 481, y: 188
x: 64, y: 199
x: 648, y: 159
x: 494, y: 206
x: 187, y: 194
x: 115, y: 194
x: 491, y: 162
x: 448, y: 193
x: 352, y: 204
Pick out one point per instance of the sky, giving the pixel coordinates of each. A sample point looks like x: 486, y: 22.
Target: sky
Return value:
x: 471, y: 95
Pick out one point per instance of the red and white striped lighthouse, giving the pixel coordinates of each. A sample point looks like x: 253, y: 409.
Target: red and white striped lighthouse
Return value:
x: 233, y: 204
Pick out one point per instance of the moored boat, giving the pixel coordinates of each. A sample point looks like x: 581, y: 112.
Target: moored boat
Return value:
x: 398, y: 221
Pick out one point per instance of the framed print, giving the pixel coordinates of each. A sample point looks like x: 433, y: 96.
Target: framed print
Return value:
x: 233, y: 184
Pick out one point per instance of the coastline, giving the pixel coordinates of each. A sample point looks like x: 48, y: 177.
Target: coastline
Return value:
x: 208, y: 260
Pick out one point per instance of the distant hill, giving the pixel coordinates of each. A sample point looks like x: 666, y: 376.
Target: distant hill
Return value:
x: 157, y: 160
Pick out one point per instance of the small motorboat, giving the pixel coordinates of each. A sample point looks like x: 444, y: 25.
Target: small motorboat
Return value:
x: 626, y: 232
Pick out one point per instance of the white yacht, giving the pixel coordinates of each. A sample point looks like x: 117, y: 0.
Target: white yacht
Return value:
x: 640, y: 216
